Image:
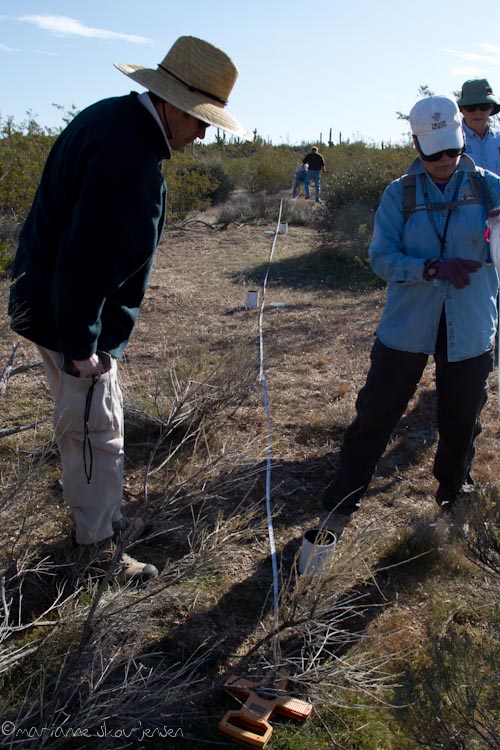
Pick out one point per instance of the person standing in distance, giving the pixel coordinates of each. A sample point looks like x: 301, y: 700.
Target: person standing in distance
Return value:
x: 315, y: 165
x: 84, y: 260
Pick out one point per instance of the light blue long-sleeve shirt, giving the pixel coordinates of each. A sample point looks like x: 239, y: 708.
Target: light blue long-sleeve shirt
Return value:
x: 485, y: 152
x: 398, y: 251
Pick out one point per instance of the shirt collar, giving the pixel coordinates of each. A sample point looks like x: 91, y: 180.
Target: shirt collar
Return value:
x: 145, y: 100
x: 472, y: 134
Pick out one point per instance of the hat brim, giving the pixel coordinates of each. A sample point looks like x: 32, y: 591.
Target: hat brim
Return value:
x: 488, y: 99
x: 441, y: 140
x: 191, y: 102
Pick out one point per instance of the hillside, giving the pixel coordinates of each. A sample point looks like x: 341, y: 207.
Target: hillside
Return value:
x: 196, y: 462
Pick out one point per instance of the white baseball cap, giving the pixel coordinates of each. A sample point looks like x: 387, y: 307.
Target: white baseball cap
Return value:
x: 437, y: 123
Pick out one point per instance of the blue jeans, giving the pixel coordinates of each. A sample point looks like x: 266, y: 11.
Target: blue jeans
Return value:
x: 314, y: 174
x: 298, y: 181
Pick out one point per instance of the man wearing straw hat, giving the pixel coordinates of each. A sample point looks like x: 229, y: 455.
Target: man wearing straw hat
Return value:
x: 83, y: 264
x: 441, y: 301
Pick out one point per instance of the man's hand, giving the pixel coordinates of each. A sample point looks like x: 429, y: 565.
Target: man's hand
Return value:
x: 457, y: 271
x: 86, y: 368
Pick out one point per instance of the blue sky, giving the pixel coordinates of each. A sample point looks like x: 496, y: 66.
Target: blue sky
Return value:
x: 304, y: 68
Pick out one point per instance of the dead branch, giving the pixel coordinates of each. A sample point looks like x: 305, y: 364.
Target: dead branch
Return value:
x: 8, y: 369
x: 6, y: 431
x: 26, y: 366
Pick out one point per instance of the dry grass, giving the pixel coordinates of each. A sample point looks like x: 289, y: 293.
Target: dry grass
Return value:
x: 196, y: 458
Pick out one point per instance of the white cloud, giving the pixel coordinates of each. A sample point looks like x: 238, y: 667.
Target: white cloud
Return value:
x: 491, y: 48
x: 467, y: 72
x: 491, y: 58
x: 4, y: 48
x: 65, y: 26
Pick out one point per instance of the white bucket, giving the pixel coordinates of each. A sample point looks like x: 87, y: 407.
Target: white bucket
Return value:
x: 283, y: 228
x: 252, y: 300
x: 318, y: 546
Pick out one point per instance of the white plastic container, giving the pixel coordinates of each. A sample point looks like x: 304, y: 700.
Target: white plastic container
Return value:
x: 252, y: 300
x: 316, y: 552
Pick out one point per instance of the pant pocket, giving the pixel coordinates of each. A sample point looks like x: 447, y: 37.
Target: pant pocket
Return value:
x: 96, y: 402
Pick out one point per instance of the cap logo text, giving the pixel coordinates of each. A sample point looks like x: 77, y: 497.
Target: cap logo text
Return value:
x: 438, y: 123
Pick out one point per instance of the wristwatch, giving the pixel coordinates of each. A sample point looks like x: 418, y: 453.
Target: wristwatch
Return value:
x: 430, y: 268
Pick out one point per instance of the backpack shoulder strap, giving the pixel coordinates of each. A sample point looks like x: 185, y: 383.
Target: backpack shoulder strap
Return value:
x: 409, y: 195
x: 479, y: 186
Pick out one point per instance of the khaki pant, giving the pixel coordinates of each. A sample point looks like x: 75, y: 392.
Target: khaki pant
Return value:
x: 88, y: 424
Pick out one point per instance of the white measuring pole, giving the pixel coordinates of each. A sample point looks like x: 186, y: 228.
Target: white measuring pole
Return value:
x: 262, y: 380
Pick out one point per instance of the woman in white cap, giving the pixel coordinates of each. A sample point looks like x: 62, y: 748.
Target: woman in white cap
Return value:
x: 482, y: 143
x: 428, y: 245
x: 84, y: 259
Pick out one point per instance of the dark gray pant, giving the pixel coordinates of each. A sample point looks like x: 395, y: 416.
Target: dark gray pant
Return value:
x: 461, y: 388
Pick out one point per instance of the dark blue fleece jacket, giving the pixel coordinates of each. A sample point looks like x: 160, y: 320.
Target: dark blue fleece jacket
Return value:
x: 87, y: 247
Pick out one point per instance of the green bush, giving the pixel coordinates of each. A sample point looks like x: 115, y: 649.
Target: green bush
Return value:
x: 357, y: 179
x: 449, y: 695
x: 195, y: 184
x: 258, y: 167
x: 23, y: 150
x: 222, y: 183
x: 9, y: 230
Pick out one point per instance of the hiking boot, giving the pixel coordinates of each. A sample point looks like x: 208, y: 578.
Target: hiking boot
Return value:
x: 95, y: 560
x: 131, y: 569
x: 335, y: 522
x: 446, y: 496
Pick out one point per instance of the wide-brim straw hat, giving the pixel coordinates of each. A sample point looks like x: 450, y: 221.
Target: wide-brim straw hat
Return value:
x: 479, y: 91
x: 196, y: 77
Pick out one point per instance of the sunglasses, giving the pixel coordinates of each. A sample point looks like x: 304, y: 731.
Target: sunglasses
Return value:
x: 473, y: 107
x: 451, y: 152
x: 202, y: 124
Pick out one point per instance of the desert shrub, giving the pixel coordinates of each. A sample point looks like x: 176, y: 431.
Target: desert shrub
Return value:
x: 223, y: 183
x: 297, y: 213
x: 9, y: 230
x: 358, y: 177
x: 187, y: 187
x: 352, y: 222
x: 450, y: 694
x: 249, y: 207
x: 23, y: 150
x: 195, y: 184
x: 264, y: 175
x: 483, y: 538
x: 258, y: 167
